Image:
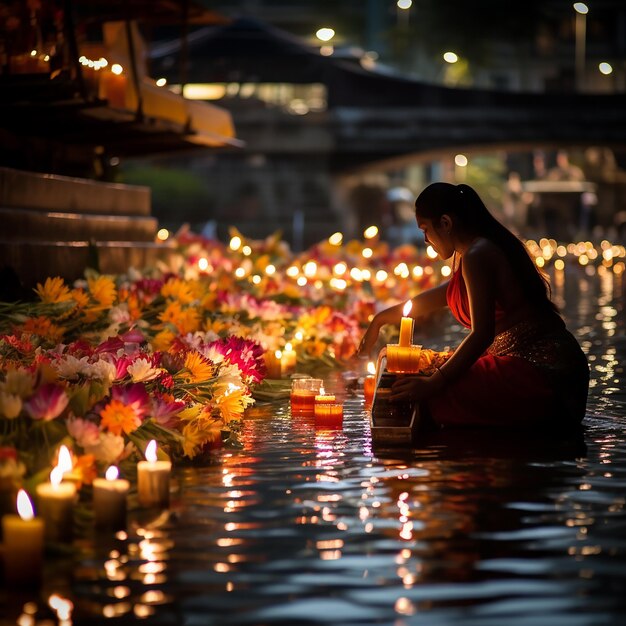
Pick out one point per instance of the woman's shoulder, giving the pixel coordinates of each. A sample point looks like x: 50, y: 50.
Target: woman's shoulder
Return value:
x: 482, y: 251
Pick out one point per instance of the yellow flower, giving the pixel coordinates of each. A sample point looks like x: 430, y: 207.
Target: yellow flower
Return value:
x: 81, y: 297
x: 177, y: 289
x: 53, y: 290
x: 117, y: 417
x: 102, y: 290
x: 198, y: 368
x: 163, y: 340
x: 171, y: 313
x: 216, y: 326
x: 230, y: 403
x: 198, y: 434
x: 188, y: 321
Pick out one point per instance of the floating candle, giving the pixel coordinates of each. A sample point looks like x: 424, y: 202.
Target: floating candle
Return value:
x: 406, y: 325
x: 23, y: 543
x: 109, y: 500
x: 153, y: 479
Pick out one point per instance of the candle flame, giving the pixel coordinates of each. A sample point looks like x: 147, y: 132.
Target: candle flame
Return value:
x: 322, y: 392
x: 278, y: 354
x: 56, y: 476
x: 64, y: 462
x: 407, y: 308
x: 151, y: 449
x: 112, y: 473
x: 24, y: 506
x: 371, y: 368
x: 288, y: 347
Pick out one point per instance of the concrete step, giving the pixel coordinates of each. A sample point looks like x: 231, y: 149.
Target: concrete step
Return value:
x: 30, y: 262
x: 35, y: 225
x: 49, y: 192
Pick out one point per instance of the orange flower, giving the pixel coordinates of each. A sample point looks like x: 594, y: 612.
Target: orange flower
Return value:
x: 118, y: 417
x: 199, y: 368
x: 163, y: 341
x: 81, y: 298
x: 171, y: 313
x: 53, y: 290
x: 43, y: 327
x: 188, y: 321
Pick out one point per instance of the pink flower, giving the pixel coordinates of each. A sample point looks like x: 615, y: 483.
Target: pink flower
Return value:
x: 135, y: 396
x: 47, y: 402
x: 165, y: 409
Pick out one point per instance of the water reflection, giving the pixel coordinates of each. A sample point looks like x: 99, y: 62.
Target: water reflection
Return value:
x: 312, y: 526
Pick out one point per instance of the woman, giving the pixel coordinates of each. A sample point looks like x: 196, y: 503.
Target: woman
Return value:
x: 518, y: 365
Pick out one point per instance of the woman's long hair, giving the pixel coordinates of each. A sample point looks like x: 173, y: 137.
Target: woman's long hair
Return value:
x: 462, y: 202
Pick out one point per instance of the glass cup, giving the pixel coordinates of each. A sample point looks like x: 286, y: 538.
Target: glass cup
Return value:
x: 303, y: 392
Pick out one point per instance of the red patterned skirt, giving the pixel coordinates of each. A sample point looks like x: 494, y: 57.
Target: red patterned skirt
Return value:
x: 533, y: 373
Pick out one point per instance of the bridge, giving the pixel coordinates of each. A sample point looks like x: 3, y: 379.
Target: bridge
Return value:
x: 377, y: 118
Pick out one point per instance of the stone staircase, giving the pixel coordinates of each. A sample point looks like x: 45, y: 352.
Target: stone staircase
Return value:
x: 58, y: 226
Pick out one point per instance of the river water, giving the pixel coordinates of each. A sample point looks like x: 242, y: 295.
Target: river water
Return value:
x: 306, y: 526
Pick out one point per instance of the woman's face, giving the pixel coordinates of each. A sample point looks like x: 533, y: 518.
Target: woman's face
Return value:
x: 437, y: 237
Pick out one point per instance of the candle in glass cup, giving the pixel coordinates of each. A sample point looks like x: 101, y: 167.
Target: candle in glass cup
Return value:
x: 406, y: 325
x: 23, y: 543
x: 403, y: 359
x: 303, y: 392
x: 153, y: 479
x: 328, y: 413
x: 109, y: 500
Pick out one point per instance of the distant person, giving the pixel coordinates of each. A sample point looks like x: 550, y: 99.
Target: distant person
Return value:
x: 518, y: 365
x: 564, y: 169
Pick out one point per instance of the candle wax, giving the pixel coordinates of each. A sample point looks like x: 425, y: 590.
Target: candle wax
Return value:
x: 109, y: 503
x: 153, y: 483
x: 406, y: 331
x: 56, y: 507
x: 23, y: 549
x: 403, y: 359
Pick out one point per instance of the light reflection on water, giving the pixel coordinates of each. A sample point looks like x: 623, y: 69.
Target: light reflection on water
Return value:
x: 313, y: 526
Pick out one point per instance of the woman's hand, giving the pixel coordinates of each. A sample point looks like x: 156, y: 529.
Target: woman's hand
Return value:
x: 416, y: 388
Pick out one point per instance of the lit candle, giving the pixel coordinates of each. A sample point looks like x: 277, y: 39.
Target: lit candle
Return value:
x: 55, y: 501
x: 109, y: 500
x: 406, y: 326
x: 113, y: 84
x: 303, y: 392
x: 328, y: 412
x: 288, y: 360
x: 403, y: 359
x: 23, y: 543
x: 153, y: 479
x: 369, y: 383
x: 273, y: 364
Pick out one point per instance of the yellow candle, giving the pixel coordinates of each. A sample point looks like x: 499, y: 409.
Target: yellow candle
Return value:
x: 109, y: 500
x: 23, y: 543
x: 403, y: 359
x: 288, y: 360
x: 406, y: 326
x: 328, y: 415
x: 55, y: 501
x: 153, y: 479
x: 273, y: 364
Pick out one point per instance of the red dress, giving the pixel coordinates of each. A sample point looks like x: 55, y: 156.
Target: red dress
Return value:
x: 534, y: 372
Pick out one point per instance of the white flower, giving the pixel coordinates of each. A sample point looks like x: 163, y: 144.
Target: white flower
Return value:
x: 84, y: 432
x: 108, y: 449
x: 141, y: 370
x: 70, y: 367
x: 120, y: 313
x: 10, y: 405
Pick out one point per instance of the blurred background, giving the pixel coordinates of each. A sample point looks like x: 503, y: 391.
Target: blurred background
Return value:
x: 341, y: 112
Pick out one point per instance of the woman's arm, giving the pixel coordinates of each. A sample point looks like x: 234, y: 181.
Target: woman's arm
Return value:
x: 424, y: 304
